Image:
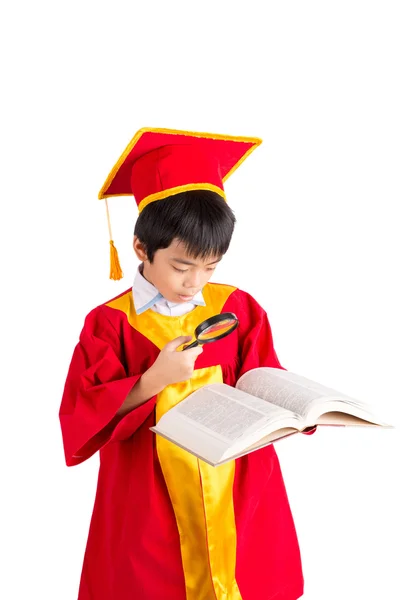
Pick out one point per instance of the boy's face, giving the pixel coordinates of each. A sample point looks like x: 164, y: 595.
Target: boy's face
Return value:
x: 174, y: 273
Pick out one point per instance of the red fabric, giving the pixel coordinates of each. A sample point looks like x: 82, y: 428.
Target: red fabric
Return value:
x: 172, y: 166
x: 223, y: 155
x: 268, y: 555
x: 96, y: 386
x: 133, y: 548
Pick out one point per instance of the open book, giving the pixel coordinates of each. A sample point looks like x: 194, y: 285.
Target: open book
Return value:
x: 218, y: 422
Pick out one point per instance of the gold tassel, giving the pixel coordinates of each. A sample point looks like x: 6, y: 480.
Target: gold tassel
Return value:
x: 115, y: 268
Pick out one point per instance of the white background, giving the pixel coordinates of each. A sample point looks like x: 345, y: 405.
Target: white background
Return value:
x: 317, y: 244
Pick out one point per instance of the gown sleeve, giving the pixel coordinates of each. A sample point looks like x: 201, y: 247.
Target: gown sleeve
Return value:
x: 255, y: 340
x: 256, y: 345
x: 95, y: 388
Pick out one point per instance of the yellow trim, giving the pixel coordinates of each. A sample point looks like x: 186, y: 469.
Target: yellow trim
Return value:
x: 202, y: 498
x: 177, y: 190
x: 201, y: 495
x: 219, y: 514
x: 239, y: 162
x: 213, y: 136
x: 120, y: 161
x: 215, y: 296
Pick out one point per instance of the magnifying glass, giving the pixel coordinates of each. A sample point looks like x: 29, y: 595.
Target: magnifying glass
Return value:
x: 213, y: 329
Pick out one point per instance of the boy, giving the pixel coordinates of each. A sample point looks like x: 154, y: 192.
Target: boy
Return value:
x: 165, y: 525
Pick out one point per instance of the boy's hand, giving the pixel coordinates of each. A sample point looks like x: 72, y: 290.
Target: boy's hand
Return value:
x: 173, y: 366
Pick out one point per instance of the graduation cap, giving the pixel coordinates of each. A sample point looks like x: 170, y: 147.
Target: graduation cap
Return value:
x: 159, y: 163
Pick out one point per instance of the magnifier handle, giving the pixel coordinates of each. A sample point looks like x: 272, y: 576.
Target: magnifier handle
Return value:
x: 192, y: 345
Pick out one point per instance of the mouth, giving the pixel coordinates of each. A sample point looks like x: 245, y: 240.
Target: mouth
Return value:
x: 186, y: 298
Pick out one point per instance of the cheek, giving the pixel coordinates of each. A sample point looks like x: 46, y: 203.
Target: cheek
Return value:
x: 171, y: 279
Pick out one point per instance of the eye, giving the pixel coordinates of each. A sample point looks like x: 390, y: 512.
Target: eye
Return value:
x: 210, y: 268
x: 180, y: 270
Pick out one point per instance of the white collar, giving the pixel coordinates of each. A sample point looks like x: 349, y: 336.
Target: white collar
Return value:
x: 146, y: 296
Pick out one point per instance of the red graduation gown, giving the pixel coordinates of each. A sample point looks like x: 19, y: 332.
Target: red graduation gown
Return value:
x: 166, y: 526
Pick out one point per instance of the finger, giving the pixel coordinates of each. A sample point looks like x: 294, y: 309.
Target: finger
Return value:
x: 195, y: 351
x: 175, y: 343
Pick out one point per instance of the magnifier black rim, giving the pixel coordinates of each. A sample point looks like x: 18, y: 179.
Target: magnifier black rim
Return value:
x: 212, y: 321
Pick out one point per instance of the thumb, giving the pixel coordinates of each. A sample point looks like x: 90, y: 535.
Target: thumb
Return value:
x: 174, y: 344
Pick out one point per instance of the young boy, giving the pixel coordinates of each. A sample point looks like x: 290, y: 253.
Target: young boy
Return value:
x: 165, y: 525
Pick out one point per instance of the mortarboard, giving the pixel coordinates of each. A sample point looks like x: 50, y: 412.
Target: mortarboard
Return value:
x: 159, y: 163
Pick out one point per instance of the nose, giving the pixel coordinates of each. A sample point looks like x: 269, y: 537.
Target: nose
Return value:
x: 193, y: 282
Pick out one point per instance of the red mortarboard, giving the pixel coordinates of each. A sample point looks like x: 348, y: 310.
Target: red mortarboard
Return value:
x: 158, y: 163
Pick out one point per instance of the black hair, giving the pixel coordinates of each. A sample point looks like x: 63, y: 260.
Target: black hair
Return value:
x: 200, y: 219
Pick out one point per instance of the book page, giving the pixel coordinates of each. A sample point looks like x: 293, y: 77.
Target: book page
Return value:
x: 216, y: 457
x: 288, y: 390
x: 272, y: 437
x: 219, y: 420
x: 334, y: 413
x: 229, y: 413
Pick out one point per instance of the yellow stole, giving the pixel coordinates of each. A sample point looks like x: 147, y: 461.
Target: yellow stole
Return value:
x: 201, y: 495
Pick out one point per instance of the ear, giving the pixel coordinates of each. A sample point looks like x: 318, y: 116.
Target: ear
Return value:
x: 139, y: 249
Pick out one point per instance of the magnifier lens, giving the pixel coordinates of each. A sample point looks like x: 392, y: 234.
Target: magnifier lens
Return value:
x: 217, y: 329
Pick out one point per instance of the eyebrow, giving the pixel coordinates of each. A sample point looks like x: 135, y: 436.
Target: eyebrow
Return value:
x: 187, y: 262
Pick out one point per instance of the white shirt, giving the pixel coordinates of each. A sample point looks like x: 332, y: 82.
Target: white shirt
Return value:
x: 146, y: 296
